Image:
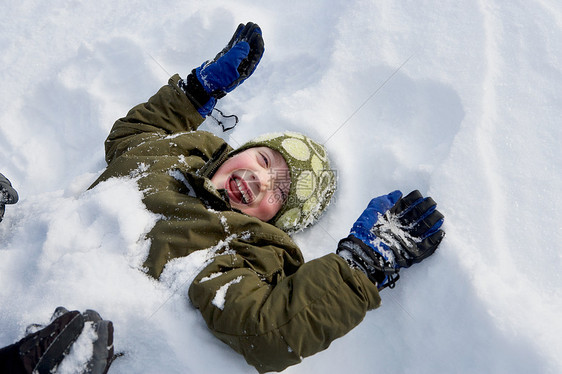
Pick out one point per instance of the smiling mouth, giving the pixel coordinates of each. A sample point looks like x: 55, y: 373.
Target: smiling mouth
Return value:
x: 239, y: 190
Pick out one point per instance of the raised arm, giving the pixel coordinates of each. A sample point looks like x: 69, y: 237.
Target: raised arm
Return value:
x: 167, y: 112
x: 183, y: 104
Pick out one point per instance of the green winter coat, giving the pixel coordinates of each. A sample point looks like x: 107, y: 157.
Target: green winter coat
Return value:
x: 277, y: 309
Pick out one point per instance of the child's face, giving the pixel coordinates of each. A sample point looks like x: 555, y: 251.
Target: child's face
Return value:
x: 257, y: 181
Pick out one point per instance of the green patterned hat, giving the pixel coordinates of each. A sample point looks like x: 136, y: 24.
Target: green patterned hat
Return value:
x: 313, y: 182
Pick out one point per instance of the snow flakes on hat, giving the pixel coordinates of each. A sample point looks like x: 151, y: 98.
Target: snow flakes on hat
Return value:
x: 313, y: 182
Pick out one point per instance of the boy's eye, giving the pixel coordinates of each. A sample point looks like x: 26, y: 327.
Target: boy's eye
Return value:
x: 265, y: 160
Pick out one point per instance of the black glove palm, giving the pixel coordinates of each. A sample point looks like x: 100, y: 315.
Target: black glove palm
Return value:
x: 393, y: 233
x: 411, y: 229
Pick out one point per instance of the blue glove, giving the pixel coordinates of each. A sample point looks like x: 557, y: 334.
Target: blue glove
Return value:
x: 235, y: 63
x: 393, y: 233
x: 229, y: 69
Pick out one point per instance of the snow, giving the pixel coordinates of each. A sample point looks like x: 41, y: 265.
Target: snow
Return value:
x: 220, y: 296
x: 80, y: 352
x: 460, y: 100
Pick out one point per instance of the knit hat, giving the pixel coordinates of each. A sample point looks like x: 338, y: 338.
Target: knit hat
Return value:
x: 313, y: 182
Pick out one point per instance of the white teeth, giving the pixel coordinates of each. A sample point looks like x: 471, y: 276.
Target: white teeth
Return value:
x: 245, y: 198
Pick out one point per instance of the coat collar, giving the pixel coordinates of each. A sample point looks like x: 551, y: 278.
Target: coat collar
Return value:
x: 201, y: 181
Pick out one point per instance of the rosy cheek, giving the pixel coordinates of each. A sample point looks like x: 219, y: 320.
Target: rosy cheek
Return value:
x: 273, y: 204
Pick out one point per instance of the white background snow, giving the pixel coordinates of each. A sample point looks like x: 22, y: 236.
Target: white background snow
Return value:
x: 459, y: 99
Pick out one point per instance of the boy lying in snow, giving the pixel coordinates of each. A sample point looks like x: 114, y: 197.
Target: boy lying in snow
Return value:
x: 255, y: 292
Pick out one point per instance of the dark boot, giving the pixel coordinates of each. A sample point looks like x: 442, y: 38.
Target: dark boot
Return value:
x: 102, y: 356
x: 10, y: 361
x: 8, y: 194
x: 44, y: 350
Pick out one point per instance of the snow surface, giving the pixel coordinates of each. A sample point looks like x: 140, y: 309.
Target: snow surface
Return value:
x: 459, y: 99
x: 220, y: 296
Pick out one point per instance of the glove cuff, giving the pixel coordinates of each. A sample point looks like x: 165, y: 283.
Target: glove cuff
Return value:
x: 360, y: 256
x: 194, y: 90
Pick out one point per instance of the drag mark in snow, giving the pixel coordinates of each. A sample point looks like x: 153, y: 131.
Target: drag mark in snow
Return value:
x: 486, y: 132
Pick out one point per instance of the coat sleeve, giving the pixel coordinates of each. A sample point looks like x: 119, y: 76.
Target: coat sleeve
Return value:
x: 167, y: 112
x: 276, y: 319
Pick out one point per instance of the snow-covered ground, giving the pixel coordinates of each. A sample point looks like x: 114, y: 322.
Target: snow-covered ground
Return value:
x: 459, y: 99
